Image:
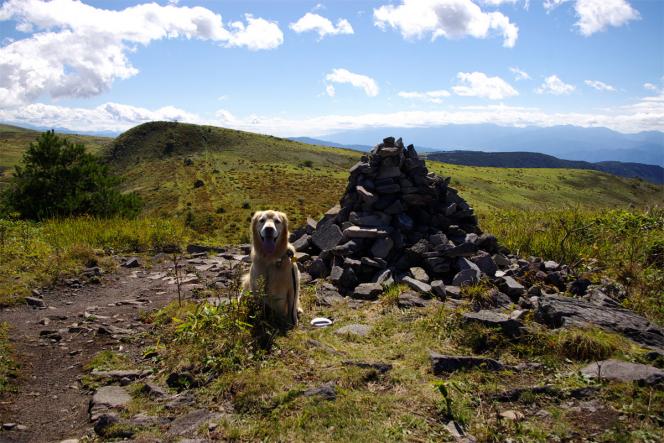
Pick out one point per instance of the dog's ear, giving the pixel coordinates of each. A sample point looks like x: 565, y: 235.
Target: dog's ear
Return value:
x: 284, y: 219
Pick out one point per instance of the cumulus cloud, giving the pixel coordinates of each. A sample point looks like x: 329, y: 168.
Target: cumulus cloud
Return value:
x: 78, y: 50
x: 600, y: 86
x: 650, y: 86
x: 321, y: 25
x: 647, y: 114
x: 519, y: 74
x: 597, y: 15
x: 478, y: 84
x: 555, y: 86
x: 341, y: 75
x: 428, y: 96
x: 445, y: 18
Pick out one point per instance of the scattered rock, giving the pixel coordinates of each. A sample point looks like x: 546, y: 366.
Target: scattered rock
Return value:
x: 108, y: 397
x: 190, y: 423
x: 357, y: 330
x: 509, y: 326
x: 623, y: 371
x: 512, y: 415
x: 380, y: 367
x: 367, y: 291
x: 450, y: 363
x: 131, y: 263
x: 327, y: 392
x: 36, y: 302
x: 417, y: 285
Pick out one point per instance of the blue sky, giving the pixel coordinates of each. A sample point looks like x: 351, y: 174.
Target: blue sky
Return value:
x: 344, y: 65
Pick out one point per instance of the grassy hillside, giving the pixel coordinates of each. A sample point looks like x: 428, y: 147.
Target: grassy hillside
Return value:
x: 15, y: 140
x: 240, y: 172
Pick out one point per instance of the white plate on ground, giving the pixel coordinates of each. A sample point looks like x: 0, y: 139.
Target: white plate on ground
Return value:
x: 321, y: 322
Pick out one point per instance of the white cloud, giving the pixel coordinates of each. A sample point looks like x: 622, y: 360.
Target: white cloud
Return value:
x: 597, y: 15
x: 478, y: 84
x: 429, y: 96
x: 498, y: 2
x: 519, y: 74
x: 555, y: 86
x: 600, y: 86
x: 79, y: 50
x: 444, y: 18
x: 645, y: 115
x: 345, y: 76
x: 321, y: 25
x: 650, y: 87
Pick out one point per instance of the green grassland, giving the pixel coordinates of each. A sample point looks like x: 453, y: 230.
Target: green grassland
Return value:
x: 15, y: 140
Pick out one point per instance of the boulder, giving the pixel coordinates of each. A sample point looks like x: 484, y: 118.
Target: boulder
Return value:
x: 623, y: 371
x: 417, y: 285
x: 367, y: 291
x: 467, y: 277
x: 327, y: 236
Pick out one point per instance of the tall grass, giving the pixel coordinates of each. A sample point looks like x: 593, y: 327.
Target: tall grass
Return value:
x: 37, y: 254
x: 623, y: 245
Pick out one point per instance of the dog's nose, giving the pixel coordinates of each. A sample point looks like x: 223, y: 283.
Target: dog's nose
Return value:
x: 269, y: 231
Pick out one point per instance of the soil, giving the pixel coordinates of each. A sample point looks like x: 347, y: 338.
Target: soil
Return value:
x: 49, y: 401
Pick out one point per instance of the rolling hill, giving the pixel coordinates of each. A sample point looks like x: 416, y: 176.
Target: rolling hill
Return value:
x: 215, y: 178
x: 651, y: 173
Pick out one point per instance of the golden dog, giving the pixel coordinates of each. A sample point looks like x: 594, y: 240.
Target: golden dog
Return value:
x: 272, y: 264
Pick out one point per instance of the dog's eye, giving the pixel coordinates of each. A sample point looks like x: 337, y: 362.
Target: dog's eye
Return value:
x: 262, y: 219
x: 277, y: 221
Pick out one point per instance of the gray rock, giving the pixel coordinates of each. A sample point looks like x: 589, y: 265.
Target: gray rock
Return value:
x: 449, y: 363
x: 189, y: 424
x: 131, y: 263
x: 405, y: 222
x: 327, y: 392
x: 501, y: 261
x: 409, y: 300
x: 327, y: 236
x: 551, y: 265
x: 318, y: 268
x: 374, y: 220
x: 302, y: 243
x: 358, y: 232
x: 463, y: 263
x: 438, y: 289
x: 378, y: 366
x: 508, y: 325
x: 560, y: 311
x: 108, y: 397
x: 463, y: 250
x: 36, y: 302
x: 366, y: 196
x: 335, y: 274
x: 153, y: 390
x: 354, y: 329
x: 348, y: 279
x: 382, y: 247
x: 511, y: 287
x: 367, y: 291
x: 419, y: 274
x: 120, y: 374
x: 623, y: 371
x: 467, y: 277
x: 417, y: 285
x: 453, y: 291
x: 485, y: 263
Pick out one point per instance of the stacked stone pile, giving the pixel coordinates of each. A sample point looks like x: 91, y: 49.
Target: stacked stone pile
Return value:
x: 397, y: 221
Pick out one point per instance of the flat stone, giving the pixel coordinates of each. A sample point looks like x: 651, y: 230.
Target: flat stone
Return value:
x: 560, y: 311
x: 623, y: 371
x: 467, y: 277
x: 384, y: 278
x: 367, y: 291
x: 551, y: 266
x: 485, y: 263
x: 302, y: 243
x: 453, y: 291
x: 409, y: 300
x: 36, y: 302
x: 511, y: 287
x: 378, y: 366
x: 108, y: 397
x: 131, y: 263
x: 509, y: 326
x: 190, y: 423
x: 358, y: 232
x: 438, y: 289
x: 419, y: 274
x: 449, y: 363
x: 366, y: 196
x: 375, y: 220
x: 357, y: 330
x: 389, y: 172
x: 327, y: 236
x: 388, y: 189
x: 119, y: 374
x: 501, y: 261
x: 327, y: 392
x: 463, y: 250
x: 417, y: 285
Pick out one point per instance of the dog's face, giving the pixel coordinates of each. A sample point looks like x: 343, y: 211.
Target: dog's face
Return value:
x: 269, y: 231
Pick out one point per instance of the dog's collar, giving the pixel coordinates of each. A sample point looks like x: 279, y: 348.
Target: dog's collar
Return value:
x: 289, y: 256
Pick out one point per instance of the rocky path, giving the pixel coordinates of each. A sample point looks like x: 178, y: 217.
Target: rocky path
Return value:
x: 54, y: 342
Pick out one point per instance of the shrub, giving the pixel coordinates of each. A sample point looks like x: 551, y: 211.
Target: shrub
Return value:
x: 57, y: 178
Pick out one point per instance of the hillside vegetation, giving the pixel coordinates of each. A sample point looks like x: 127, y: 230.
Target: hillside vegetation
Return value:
x: 15, y: 140
x: 215, y: 178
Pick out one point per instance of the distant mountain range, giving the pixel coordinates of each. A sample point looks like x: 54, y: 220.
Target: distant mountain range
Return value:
x: 564, y: 142
x: 651, y: 173
x: 648, y: 172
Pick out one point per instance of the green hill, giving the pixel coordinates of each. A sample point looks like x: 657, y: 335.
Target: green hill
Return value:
x: 215, y: 178
x: 15, y: 140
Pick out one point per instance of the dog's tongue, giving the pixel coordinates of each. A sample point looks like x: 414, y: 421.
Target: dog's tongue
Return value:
x: 269, y: 245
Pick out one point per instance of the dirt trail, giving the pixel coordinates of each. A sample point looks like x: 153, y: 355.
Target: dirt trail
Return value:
x: 50, y: 402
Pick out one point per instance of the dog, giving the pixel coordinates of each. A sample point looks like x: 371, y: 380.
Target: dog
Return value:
x: 273, y: 265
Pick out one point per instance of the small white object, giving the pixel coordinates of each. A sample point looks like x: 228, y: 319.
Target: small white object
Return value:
x: 321, y: 322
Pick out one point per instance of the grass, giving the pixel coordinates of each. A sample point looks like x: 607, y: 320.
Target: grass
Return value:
x: 33, y: 255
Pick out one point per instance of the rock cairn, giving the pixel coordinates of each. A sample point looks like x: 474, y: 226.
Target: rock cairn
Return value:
x: 396, y: 222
